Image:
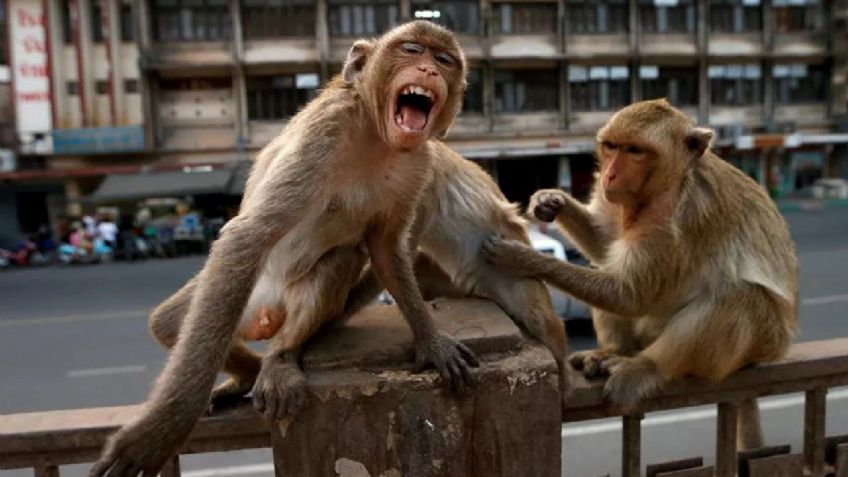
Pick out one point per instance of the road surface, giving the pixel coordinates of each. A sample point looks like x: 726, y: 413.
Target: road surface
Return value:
x: 73, y: 337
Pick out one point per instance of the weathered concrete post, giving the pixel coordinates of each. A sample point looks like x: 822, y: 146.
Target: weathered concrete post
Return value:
x: 370, y: 416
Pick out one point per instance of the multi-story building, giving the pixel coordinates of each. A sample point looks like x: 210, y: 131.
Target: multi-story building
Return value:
x: 146, y: 85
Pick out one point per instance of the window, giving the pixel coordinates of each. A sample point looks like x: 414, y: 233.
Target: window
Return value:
x: 604, y: 16
x: 67, y: 30
x: 96, y: 22
x: 798, y: 15
x: 191, y: 20
x: 460, y: 16
x: 278, y: 18
x: 677, y: 84
x: 524, y: 18
x: 131, y: 86
x: 735, y: 16
x: 800, y: 83
x: 519, y: 91
x: 472, y: 102
x: 735, y: 85
x: 667, y: 16
x: 356, y: 18
x: 279, y: 97
x: 599, y: 88
x: 72, y: 88
x: 4, y: 60
x: 101, y: 87
x: 127, y: 25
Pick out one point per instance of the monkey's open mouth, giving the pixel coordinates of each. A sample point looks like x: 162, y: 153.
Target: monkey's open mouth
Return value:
x: 414, y: 104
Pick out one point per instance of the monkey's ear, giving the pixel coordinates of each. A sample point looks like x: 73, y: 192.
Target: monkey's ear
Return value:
x: 698, y: 140
x: 356, y: 57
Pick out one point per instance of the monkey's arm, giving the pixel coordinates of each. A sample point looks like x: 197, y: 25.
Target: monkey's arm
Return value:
x: 597, y: 288
x: 390, y: 258
x: 182, y: 391
x: 574, y: 218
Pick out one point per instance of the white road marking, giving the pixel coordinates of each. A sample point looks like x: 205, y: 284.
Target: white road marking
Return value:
x: 56, y: 320
x: 86, y: 373
x: 234, y: 470
x: 823, y: 300
x: 699, y: 414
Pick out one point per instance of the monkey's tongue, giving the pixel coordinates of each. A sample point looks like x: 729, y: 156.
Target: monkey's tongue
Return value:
x: 412, y: 118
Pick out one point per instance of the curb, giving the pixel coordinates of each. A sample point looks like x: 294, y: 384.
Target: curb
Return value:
x: 810, y: 205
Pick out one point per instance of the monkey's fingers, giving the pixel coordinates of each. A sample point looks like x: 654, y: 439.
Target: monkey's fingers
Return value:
x: 468, y: 355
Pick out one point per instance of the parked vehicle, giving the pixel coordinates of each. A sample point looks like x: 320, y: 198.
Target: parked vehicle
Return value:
x: 565, y: 306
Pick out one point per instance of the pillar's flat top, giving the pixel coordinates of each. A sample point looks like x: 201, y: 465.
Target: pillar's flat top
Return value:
x: 378, y: 336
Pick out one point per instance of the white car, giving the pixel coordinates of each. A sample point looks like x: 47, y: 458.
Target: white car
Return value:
x: 564, y: 305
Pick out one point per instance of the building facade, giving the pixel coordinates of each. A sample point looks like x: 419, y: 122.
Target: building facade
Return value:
x: 141, y: 85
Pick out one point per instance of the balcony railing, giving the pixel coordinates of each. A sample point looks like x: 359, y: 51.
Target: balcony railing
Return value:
x: 45, y: 440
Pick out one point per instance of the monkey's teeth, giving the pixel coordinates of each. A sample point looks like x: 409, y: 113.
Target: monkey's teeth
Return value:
x: 419, y: 90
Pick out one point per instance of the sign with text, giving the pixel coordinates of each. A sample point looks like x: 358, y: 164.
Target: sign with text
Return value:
x: 98, y: 140
x: 27, y: 23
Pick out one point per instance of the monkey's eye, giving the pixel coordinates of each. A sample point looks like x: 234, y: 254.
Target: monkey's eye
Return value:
x: 444, y: 58
x: 608, y: 147
x: 634, y: 150
x: 412, y: 48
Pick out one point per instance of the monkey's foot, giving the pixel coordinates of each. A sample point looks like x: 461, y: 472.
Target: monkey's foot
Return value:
x: 451, y: 358
x: 510, y: 255
x: 630, y: 381
x: 280, y: 389
x: 547, y: 204
x: 230, y: 392
x: 591, y: 362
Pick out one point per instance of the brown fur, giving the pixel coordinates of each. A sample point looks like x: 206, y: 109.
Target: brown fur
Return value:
x: 341, y: 183
x: 696, y: 273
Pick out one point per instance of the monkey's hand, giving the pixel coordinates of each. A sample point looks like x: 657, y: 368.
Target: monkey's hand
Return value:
x: 280, y: 389
x: 630, y: 381
x: 593, y: 363
x: 451, y: 358
x: 547, y: 204
x: 142, y: 447
x: 510, y: 255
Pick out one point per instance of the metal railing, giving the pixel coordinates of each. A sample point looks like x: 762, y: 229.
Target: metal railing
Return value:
x: 44, y: 441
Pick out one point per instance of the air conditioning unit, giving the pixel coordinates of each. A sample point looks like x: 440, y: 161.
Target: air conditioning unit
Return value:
x: 8, y: 161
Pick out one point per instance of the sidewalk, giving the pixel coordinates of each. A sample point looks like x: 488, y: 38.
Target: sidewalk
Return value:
x: 798, y: 205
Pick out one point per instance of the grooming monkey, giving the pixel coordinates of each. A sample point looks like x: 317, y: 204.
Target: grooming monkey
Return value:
x: 695, y: 273
x: 365, y: 160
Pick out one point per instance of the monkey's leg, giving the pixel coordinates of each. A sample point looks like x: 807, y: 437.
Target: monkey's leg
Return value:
x: 280, y: 389
x: 710, y: 338
x: 528, y: 303
x: 241, y: 364
x: 615, y: 336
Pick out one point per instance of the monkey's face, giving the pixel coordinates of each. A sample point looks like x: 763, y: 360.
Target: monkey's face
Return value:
x: 419, y: 92
x: 412, y: 80
x: 625, y: 168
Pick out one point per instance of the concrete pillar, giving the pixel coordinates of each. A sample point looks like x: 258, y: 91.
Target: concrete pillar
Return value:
x: 702, y: 42
x: 565, y: 96
x: 369, y: 416
x: 768, y: 94
x: 405, y: 10
x: 111, y: 18
x: 239, y: 86
x: 73, y: 192
x: 146, y: 81
x: 635, y: 28
x: 85, y: 57
x: 322, y: 38
x: 488, y: 72
x: 56, y: 44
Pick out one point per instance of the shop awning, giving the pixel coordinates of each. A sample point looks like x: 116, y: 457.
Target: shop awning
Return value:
x: 189, y: 181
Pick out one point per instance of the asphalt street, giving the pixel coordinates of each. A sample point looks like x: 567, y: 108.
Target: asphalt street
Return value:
x: 73, y: 337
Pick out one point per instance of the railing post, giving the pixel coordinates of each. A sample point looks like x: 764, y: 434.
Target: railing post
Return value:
x: 815, y: 407
x: 726, y: 439
x: 172, y: 467
x: 47, y: 471
x: 631, y: 445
